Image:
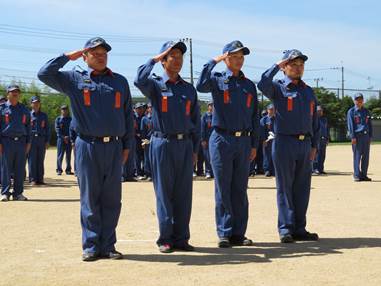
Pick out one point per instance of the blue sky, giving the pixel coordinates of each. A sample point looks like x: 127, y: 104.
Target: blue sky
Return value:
x: 331, y: 33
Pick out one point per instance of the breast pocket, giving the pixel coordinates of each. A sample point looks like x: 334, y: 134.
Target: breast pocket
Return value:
x: 88, y: 90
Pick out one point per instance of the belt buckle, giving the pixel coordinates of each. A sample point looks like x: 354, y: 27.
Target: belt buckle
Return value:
x: 106, y: 139
x: 238, y: 134
x: 180, y: 136
x: 301, y: 137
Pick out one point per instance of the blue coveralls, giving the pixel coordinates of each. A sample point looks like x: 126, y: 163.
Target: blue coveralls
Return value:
x: 146, y: 132
x: 296, y: 132
x: 235, y: 110
x: 206, y: 131
x: 322, y: 145
x: 103, y: 119
x: 40, y: 135
x: 62, y: 125
x: 267, y: 125
x: 15, y: 134
x: 175, y: 137
x: 360, y: 127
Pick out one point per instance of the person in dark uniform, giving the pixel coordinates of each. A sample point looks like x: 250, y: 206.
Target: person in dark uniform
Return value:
x: 267, y: 131
x: 146, y: 131
x: 174, y: 143
x: 233, y: 142
x: 102, y: 112
x: 62, y: 125
x: 14, y: 144
x: 73, y: 136
x: 140, y: 108
x: 318, y: 165
x: 40, y: 135
x: 206, y: 131
x: 360, y: 130
x: 296, y: 130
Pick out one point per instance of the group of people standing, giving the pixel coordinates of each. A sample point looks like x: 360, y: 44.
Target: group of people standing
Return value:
x: 229, y: 133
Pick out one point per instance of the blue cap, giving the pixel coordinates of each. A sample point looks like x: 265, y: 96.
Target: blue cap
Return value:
x: 358, y: 95
x: 270, y: 106
x: 35, y: 99
x: 174, y: 45
x: 95, y: 42
x: 235, y: 46
x: 294, y: 54
x: 13, y: 87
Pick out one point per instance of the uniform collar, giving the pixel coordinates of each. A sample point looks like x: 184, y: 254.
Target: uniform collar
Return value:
x: 229, y: 74
x: 288, y: 82
x: 166, y: 79
x: 92, y: 72
x: 9, y: 103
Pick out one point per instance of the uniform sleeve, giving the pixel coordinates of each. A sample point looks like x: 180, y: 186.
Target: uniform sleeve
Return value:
x: 266, y: 84
x: 58, y: 128
x: 315, y: 127
x: 129, y: 120
x: 205, y: 81
x: 51, y: 75
x: 143, y: 81
x: 144, y: 128
x: 350, y: 126
x: 195, y: 117
x: 27, y: 126
x: 47, y: 130
x: 255, y: 122
x: 370, y: 126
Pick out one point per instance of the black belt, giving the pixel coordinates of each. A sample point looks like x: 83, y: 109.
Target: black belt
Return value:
x: 362, y: 133
x: 177, y: 136
x: 105, y: 139
x: 300, y: 137
x: 16, y: 138
x: 37, y: 135
x: 234, y: 133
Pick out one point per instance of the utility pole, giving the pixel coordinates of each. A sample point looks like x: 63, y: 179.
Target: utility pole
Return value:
x: 317, y: 81
x: 189, y: 41
x: 342, y: 82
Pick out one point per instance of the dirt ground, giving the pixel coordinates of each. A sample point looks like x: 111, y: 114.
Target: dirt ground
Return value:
x: 40, y: 240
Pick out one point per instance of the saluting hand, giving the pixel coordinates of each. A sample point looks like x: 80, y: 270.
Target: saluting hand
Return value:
x: 221, y: 57
x: 161, y: 56
x: 282, y: 63
x: 75, y: 55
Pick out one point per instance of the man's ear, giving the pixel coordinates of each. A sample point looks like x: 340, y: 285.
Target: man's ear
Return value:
x: 84, y: 57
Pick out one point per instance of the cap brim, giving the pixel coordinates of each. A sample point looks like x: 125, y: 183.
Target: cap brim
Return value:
x: 36, y: 100
x: 181, y: 46
x: 303, y: 57
x: 13, y: 89
x: 245, y: 51
x: 105, y: 45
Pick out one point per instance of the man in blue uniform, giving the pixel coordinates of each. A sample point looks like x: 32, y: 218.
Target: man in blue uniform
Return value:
x: 73, y: 136
x: 174, y: 143
x: 318, y: 166
x: 233, y: 142
x: 206, y: 131
x: 146, y: 132
x: 14, y: 144
x: 102, y: 112
x: 62, y: 125
x: 360, y: 129
x: 294, y: 148
x: 40, y: 135
x: 3, y: 100
x: 267, y: 129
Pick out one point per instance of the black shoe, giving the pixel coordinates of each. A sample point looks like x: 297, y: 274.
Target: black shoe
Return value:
x: 224, y: 243
x: 59, y: 173
x: 241, y: 241
x: 90, y: 256
x: 69, y: 173
x: 268, y: 174
x: 356, y: 179
x: 165, y: 248
x: 287, y: 238
x: 324, y: 173
x: 308, y: 236
x: 366, y: 179
x: 184, y: 247
x: 132, y: 179
x: 114, y: 255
